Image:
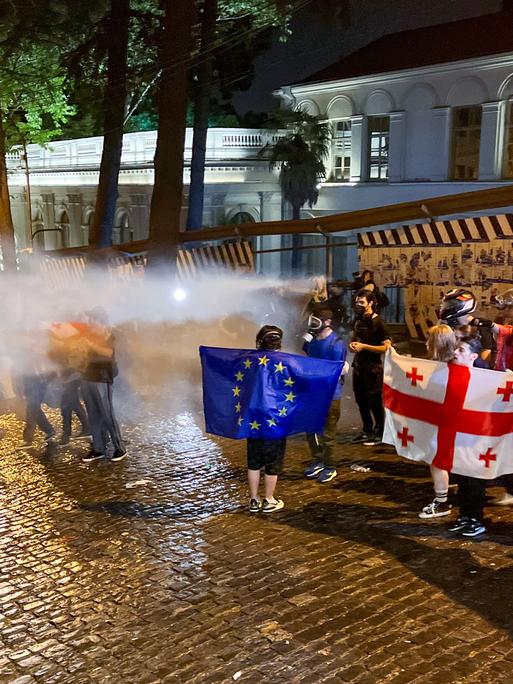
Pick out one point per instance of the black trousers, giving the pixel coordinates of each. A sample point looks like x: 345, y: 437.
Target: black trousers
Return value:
x: 70, y: 402
x: 34, y: 388
x: 471, y: 495
x: 367, y: 387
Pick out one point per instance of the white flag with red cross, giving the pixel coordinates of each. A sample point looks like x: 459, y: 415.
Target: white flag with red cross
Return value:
x: 457, y: 418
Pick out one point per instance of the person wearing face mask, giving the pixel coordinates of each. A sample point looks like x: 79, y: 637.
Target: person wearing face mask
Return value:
x: 370, y: 340
x: 322, y: 342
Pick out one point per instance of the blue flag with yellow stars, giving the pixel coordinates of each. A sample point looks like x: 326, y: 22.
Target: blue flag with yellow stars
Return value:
x: 265, y: 394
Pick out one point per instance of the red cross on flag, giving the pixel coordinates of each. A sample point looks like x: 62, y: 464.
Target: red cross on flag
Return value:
x: 457, y: 418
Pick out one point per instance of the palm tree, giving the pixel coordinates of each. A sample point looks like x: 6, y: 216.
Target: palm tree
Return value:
x: 299, y: 155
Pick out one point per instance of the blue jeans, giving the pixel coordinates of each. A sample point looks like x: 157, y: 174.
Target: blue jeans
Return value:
x: 102, y: 420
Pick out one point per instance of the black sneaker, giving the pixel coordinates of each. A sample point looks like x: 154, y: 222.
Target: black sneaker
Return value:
x: 436, y: 509
x: 92, y: 456
x: 373, y: 441
x: 362, y: 437
x: 459, y: 524
x: 118, y: 455
x: 254, y: 506
x: 473, y: 528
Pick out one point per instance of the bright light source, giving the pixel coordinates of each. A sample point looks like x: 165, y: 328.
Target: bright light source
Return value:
x: 179, y: 295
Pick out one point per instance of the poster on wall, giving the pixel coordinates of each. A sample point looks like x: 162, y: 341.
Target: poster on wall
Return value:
x: 428, y: 269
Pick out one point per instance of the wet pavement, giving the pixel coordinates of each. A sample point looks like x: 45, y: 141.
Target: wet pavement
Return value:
x: 151, y: 570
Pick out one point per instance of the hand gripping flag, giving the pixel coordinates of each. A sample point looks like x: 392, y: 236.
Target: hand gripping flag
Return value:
x: 265, y: 394
x: 457, y: 418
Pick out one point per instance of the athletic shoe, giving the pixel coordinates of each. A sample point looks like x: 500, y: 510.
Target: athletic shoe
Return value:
x: 254, y: 506
x: 50, y: 437
x: 459, y: 524
x: 64, y: 440
x: 271, y: 506
x: 118, y: 455
x: 435, y: 509
x: 373, y: 441
x: 92, y: 456
x: 314, y: 469
x: 362, y: 437
x: 26, y: 445
x: 473, y: 528
x: 506, y: 500
x: 327, y: 474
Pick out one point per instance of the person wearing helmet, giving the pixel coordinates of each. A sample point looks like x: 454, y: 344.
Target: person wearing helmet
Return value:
x: 267, y: 454
x: 322, y: 342
x: 456, y: 310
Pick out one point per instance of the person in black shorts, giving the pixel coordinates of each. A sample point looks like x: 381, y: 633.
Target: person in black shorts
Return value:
x: 370, y: 340
x: 266, y: 454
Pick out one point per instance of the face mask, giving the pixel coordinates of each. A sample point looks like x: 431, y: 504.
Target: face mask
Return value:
x: 359, y: 308
x: 315, y: 325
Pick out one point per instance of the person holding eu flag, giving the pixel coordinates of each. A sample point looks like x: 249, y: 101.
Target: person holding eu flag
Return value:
x: 266, y: 454
x: 322, y: 342
x: 263, y: 395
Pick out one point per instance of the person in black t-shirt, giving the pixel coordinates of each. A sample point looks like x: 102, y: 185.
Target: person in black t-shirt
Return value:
x: 97, y: 388
x: 370, y: 340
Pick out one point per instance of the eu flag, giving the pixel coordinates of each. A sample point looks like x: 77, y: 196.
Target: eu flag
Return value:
x: 265, y: 394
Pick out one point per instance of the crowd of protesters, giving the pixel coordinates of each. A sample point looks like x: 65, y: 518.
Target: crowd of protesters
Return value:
x: 459, y: 337
x: 71, y: 365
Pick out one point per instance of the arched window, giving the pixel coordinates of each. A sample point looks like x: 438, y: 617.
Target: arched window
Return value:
x: 37, y: 228
x: 122, y: 230
x: 241, y: 217
x: 63, y: 224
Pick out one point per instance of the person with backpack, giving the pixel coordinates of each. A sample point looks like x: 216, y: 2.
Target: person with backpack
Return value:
x: 322, y: 342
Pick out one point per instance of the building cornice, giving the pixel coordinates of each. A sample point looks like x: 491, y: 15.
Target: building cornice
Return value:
x: 490, y: 61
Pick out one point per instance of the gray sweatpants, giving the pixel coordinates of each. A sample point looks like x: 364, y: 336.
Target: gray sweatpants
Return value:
x: 102, y: 420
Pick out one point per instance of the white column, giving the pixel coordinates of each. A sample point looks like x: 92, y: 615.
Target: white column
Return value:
x: 441, y: 143
x: 359, y: 149
x: 396, y: 147
x: 491, y: 146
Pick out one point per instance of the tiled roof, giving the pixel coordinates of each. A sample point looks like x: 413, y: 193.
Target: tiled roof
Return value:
x: 489, y: 34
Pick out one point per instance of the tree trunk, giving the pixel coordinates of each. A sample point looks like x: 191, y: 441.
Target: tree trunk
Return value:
x: 296, y: 243
x: 114, y: 103
x: 6, y: 226
x: 166, y: 200
x: 202, y: 90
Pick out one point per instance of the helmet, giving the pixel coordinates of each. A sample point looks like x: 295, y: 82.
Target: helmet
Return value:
x: 455, y: 304
x: 505, y: 299
x: 269, y: 337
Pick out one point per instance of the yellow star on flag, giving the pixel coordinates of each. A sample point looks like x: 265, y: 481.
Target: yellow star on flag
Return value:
x: 237, y: 407
x: 240, y: 421
x: 236, y: 391
x: 289, y: 382
x: 279, y: 367
x: 271, y: 422
x: 239, y: 376
x: 290, y: 396
x: 254, y: 425
x: 263, y: 361
x: 283, y: 411
x: 247, y: 363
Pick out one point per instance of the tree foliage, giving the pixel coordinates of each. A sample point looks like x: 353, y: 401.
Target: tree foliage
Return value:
x: 299, y: 155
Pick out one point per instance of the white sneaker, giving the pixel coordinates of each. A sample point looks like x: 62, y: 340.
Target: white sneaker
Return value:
x: 271, y: 506
x: 506, y: 500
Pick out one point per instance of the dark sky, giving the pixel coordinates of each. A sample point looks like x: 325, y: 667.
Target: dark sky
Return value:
x: 317, y: 42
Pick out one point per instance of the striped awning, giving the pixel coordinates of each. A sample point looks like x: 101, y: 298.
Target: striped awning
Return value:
x: 233, y: 256
x: 441, y: 233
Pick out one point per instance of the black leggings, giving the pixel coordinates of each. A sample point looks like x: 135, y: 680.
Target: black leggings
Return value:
x: 471, y: 495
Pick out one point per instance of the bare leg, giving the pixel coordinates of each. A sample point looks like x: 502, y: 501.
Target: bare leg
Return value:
x: 253, y: 482
x: 440, y: 479
x: 269, y: 486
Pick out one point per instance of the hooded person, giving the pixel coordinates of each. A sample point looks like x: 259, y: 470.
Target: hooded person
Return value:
x: 266, y: 454
x: 322, y: 342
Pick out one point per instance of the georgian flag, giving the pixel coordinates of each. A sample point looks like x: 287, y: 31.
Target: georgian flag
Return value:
x: 457, y: 418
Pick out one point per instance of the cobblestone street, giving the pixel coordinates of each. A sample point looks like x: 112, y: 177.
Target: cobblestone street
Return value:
x: 171, y: 580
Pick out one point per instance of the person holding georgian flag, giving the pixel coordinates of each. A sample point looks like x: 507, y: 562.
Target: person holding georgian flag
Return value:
x: 455, y: 417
